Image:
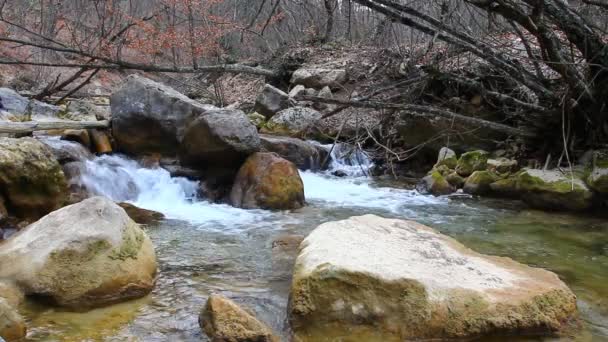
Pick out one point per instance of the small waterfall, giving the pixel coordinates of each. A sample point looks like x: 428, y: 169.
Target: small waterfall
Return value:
x: 349, y: 160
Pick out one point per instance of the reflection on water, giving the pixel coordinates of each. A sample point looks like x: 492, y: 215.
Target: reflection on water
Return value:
x: 206, y: 248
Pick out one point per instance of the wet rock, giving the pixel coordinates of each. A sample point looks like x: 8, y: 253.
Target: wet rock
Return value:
x: 149, y: 117
x: 268, y: 181
x: 67, y: 152
x: 371, y: 278
x: 30, y: 177
x: 598, y: 177
x: 100, y: 141
x: 12, y: 325
x: 319, y: 77
x: 478, y: 183
x: 224, y: 321
x: 219, y: 138
x: 502, y: 165
x: 340, y: 173
x: 306, y: 156
x: 141, y: 215
x: 11, y: 293
x: 78, y: 135
x: 472, y: 161
x: 84, y: 255
x: 447, y: 157
x: 271, y: 101
x: 292, y: 121
x: 552, y: 189
x: 455, y: 180
x: 434, y: 183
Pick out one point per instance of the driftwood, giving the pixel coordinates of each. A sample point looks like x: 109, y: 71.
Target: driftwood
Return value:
x: 31, y: 126
x: 424, y: 111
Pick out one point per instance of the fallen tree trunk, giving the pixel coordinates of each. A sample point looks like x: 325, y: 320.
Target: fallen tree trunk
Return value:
x: 424, y: 111
x: 31, y: 126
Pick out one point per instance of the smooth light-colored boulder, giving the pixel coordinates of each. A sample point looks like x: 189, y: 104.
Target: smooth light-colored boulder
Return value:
x: 319, y: 77
x: 224, y: 321
x: 268, y: 181
x: 447, y: 157
x: 219, y: 138
x: 370, y: 278
x: 149, y: 117
x: 292, y: 121
x: 502, y: 165
x: 552, y: 189
x: 478, y: 183
x: 306, y: 155
x: 472, y: 161
x: 297, y: 90
x: 31, y: 179
x: 84, y: 255
x: 271, y: 101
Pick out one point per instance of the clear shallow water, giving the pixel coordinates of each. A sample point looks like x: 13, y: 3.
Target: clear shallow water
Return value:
x: 206, y: 248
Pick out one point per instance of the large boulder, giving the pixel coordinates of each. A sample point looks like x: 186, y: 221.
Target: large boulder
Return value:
x: 435, y: 183
x: 306, y: 155
x: 24, y: 109
x: 292, y: 121
x: 268, y: 181
x: 370, y: 278
x: 149, y: 117
x: 220, y: 137
x: 447, y: 157
x: 319, y: 77
x: 84, y: 255
x: 271, y: 101
x: 552, y: 189
x: 478, y: 183
x: 31, y: 179
x: 224, y: 321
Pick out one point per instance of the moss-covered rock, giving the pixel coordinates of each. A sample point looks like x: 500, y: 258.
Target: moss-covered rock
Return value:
x: 223, y: 320
x: 553, y: 190
x: 292, y: 121
x: 31, y: 179
x: 502, y: 166
x: 373, y: 279
x: 435, y: 183
x: 257, y: 119
x: 84, y: 255
x: 479, y: 182
x: 472, y: 161
x: 268, y: 181
x: 456, y: 180
x: 506, y: 187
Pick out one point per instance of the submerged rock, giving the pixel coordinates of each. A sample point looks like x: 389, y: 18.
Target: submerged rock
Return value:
x: 552, y: 189
x: 305, y: 155
x: 271, y: 101
x: 371, y: 278
x: 292, y: 121
x: 219, y: 138
x: 140, y: 215
x: 224, y: 321
x: 319, y: 77
x: 12, y: 325
x: 149, y: 117
x: 472, y: 161
x: 85, y: 255
x: 268, y: 181
x: 31, y: 178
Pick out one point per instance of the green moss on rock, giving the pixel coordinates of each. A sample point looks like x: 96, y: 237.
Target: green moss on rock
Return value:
x: 472, y: 161
x: 479, y: 182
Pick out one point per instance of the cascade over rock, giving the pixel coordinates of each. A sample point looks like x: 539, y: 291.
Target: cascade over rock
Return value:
x: 396, y: 280
x: 84, y: 255
x: 306, y: 155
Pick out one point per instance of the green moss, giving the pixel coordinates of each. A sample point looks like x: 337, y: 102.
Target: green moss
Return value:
x: 449, y: 162
x: 70, y: 256
x: 472, y: 161
x: 479, y: 182
x: 132, y: 241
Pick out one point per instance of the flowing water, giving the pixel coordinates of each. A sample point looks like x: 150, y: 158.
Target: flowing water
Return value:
x: 206, y: 248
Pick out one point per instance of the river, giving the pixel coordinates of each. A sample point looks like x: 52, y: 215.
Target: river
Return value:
x: 206, y: 248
